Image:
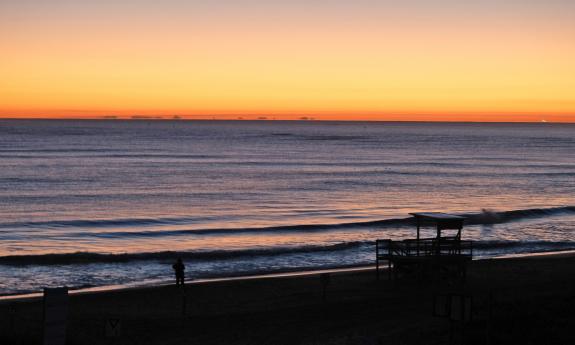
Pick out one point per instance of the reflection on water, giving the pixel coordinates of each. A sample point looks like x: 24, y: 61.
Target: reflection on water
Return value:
x: 231, y: 187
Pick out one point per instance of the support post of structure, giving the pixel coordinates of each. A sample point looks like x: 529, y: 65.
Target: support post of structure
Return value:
x: 417, y: 221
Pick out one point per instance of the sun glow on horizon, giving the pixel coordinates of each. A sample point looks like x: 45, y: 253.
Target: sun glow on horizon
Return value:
x: 332, y: 60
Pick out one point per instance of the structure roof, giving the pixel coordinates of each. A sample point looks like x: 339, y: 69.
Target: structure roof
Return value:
x: 437, y: 216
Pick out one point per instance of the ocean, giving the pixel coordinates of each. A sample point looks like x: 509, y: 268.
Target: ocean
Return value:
x: 101, y: 203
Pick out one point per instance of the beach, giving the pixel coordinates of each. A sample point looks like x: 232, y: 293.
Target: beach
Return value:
x: 532, y: 302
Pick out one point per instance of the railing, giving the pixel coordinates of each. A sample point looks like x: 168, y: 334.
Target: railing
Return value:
x: 424, y: 247
x: 442, y: 251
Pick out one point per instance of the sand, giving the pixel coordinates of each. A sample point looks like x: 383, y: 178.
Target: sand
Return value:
x: 532, y: 302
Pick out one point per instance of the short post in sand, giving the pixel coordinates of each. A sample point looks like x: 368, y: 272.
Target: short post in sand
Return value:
x: 12, y: 321
x: 489, y: 321
x: 113, y: 327
x: 184, y: 300
x: 325, y: 279
x: 457, y: 308
x: 55, y: 315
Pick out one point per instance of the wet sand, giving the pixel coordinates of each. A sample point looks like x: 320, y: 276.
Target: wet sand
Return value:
x: 532, y: 302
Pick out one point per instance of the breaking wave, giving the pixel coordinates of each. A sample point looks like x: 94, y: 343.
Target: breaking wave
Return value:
x: 484, y: 217
x: 88, y: 258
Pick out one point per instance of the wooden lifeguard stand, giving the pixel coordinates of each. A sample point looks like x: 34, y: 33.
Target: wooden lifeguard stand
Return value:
x: 444, y: 253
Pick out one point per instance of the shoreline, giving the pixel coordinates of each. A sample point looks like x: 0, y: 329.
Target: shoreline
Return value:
x: 530, y: 300
x: 280, y: 274
x: 163, y: 283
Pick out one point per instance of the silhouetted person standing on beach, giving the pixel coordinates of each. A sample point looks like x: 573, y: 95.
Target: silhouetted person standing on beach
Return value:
x: 179, y: 269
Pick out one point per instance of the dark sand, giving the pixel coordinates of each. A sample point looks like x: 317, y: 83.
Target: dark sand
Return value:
x: 533, y: 303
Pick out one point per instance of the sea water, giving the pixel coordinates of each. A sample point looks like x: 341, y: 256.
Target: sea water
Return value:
x: 97, y: 203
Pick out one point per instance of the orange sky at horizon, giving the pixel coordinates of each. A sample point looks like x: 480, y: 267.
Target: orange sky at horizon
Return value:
x: 434, y: 60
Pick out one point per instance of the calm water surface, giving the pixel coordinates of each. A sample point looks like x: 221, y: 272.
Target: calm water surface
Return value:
x: 91, y: 203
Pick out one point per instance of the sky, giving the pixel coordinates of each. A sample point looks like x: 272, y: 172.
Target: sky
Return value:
x: 410, y: 60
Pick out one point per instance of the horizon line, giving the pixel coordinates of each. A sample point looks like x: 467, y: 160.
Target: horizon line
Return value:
x: 265, y: 119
